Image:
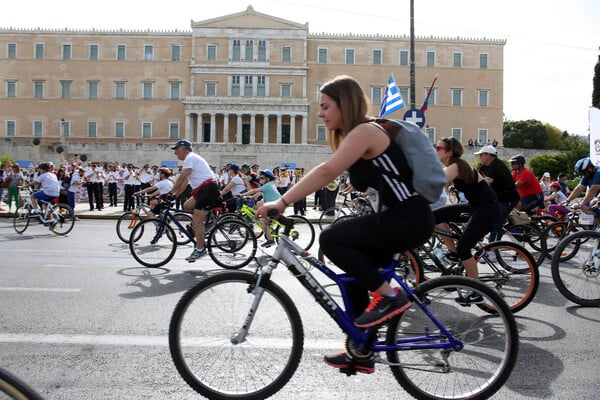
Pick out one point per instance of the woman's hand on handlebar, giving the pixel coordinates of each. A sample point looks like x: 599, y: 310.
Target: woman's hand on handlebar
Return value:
x: 265, y: 210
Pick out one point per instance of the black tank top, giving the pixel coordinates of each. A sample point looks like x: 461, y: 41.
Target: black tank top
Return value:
x: 477, y: 193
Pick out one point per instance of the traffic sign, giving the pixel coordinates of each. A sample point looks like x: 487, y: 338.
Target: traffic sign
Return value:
x: 415, y: 116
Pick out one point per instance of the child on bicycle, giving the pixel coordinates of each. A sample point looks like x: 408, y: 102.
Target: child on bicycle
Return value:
x: 159, y: 190
x: 49, y: 187
x: 403, y: 219
x: 269, y: 193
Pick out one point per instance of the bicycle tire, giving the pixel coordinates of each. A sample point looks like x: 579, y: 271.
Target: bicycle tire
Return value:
x: 306, y: 238
x: 203, y: 325
x: 21, y: 219
x: 532, y: 238
x: 184, y: 219
x: 477, y: 370
x: 329, y: 215
x: 16, y: 388
x: 578, y: 278
x: 150, y: 250
x: 63, y: 218
x: 513, y: 274
x: 231, y: 243
x: 558, y: 232
x: 125, y: 224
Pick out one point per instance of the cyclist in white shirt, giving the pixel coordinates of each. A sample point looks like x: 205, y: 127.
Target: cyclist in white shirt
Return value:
x: 49, y: 187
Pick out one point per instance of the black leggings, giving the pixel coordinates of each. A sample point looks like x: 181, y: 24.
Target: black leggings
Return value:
x: 363, y: 244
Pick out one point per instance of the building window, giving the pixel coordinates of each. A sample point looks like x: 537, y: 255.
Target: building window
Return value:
x: 92, y: 129
x: 377, y: 57
x: 38, y: 128
x: 66, y: 52
x: 248, y: 85
x: 38, y: 89
x: 262, y: 50
x: 376, y: 95
x: 457, y: 134
x: 11, y: 89
x: 457, y: 97
x: 321, y: 133
x: 175, y: 52
x: 121, y: 52
x: 11, y: 128
x: 120, y: 129
x: 211, y: 52
x: 235, y: 85
x: 322, y: 56
x: 261, y: 87
x: 65, y: 89
x: 235, y: 55
x: 432, y: 97
x: 457, y: 59
x: 93, y: 90
x: 65, y: 128
x: 403, y: 57
x: 147, y: 90
x: 249, y: 50
x: 483, y: 61
x: 173, y: 130
x: 211, y: 88
x: 286, y: 90
x: 120, y: 90
x: 146, y: 130
x: 483, y: 98
x: 11, y: 51
x: 148, y: 52
x: 482, y: 135
x: 430, y: 58
x: 175, y: 90
x: 39, y: 51
x: 286, y: 54
x: 349, y: 56
x: 404, y: 93
x: 430, y: 132
x: 94, y: 51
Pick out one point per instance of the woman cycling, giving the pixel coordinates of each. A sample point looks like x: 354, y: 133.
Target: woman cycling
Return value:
x: 360, y: 245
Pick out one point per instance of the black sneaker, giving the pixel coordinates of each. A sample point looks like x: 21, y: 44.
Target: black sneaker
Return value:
x: 344, y: 361
x: 468, y: 298
x: 268, y: 243
x: 382, y: 308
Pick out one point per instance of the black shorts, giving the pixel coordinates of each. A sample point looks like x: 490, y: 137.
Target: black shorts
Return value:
x: 208, y: 197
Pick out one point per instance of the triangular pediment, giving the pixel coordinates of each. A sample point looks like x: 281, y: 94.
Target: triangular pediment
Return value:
x: 248, y: 19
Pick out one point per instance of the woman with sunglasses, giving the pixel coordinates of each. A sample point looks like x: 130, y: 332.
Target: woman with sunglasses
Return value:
x: 482, y: 205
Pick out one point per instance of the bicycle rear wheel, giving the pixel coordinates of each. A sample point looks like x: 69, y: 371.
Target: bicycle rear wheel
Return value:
x: 303, y: 232
x: 475, y: 371
x: 330, y: 215
x: 203, y: 337
x: 231, y: 243
x: 152, y: 249
x: 578, y: 278
x: 15, y: 388
x: 62, y: 219
x: 21, y: 219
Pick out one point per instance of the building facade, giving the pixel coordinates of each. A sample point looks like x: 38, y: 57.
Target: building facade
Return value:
x: 249, y: 79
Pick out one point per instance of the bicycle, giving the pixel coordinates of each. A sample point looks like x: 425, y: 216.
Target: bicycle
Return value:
x: 59, y: 218
x: 503, y: 265
x: 153, y: 242
x: 577, y: 277
x: 16, y: 388
x: 357, y: 206
x: 574, y: 221
x: 250, y: 330
x: 129, y: 219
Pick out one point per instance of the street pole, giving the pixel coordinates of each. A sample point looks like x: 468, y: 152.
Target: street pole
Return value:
x: 412, y: 55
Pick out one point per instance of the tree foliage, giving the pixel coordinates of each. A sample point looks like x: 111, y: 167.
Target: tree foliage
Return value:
x: 529, y: 134
x: 596, y: 89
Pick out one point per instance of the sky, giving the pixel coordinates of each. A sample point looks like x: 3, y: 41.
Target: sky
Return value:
x: 551, y: 46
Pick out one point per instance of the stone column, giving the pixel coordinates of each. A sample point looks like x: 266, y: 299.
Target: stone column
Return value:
x: 226, y: 128
x: 238, y: 135
x: 304, y: 133
x: 266, y: 128
x: 292, y: 129
x: 252, y: 128
x: 188, y: 127
x: 278, y: 141
x: 213, y: 128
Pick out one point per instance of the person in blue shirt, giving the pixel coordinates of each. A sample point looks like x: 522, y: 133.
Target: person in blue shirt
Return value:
x: 590, y: 182
x: 269, y: 193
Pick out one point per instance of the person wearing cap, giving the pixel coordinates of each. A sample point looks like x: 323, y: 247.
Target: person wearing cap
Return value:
x: 497, y: 174
x: 236, y: 186
x: 250, y: 176
x: 205, y: 191
x: 159, y: 190
x: 545, y: 183
x: 74, y: 185
x: 554, y: 201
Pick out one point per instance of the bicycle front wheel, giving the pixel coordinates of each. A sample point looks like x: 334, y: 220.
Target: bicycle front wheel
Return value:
x: 205, y: 343
x: 475, y: 371
x: 303, y: 232
x: 125, y: 224
x: 578, y: 278
x: 21, y: 219
x: 154, y: 245
x: 62, y: 219
x: 231, y: 244
x: 15, y: 388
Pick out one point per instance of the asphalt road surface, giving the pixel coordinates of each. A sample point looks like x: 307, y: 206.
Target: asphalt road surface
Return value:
x: 80, y: 319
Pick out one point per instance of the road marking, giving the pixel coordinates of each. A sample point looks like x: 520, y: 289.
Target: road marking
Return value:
x: 38, y: 289
x: 121, y: 340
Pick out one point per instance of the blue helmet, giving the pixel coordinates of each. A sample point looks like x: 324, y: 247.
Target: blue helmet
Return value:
x: 268, y: 172
x: 582, y: 165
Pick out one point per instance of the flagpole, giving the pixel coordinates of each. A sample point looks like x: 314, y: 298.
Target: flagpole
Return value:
x: 412, y: 55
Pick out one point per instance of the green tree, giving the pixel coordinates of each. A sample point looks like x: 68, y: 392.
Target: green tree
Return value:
x: 596, y: 88
x: 555, y: 136
x: 529, y: 134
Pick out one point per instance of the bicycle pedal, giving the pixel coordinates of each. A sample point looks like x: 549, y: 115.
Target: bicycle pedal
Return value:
x: 348, y: 371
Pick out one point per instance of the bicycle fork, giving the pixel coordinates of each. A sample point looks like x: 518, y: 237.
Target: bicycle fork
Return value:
x: 262, y: 276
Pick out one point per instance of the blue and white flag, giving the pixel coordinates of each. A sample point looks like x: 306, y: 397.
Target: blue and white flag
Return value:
x: 392, y: 100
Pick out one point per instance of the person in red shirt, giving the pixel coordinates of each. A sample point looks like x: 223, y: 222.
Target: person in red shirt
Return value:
x: 528, y: 186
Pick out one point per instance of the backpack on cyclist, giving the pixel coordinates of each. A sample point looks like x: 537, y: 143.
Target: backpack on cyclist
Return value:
x: 428, y: 177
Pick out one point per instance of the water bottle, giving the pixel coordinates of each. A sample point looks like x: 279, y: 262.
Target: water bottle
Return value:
x: 440, y: 255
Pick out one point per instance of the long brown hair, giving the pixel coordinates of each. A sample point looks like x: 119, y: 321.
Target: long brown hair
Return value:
x: 353, y: 105
x: 465, y: 171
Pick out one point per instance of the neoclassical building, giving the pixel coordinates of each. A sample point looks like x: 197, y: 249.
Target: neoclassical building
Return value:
x: 248, y: 79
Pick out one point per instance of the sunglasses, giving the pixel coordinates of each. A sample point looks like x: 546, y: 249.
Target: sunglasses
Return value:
x: 438, y: 148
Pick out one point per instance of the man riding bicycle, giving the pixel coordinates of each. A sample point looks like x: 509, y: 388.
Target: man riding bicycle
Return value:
x: 590, y: 181
x: 49, y: 188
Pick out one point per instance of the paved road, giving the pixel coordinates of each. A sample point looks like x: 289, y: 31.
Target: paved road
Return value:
x: 81, y: 320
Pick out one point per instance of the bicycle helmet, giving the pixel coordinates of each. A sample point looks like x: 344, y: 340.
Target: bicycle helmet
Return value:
x: 165, y: 171
x: 582, y: 165
x: 267, y: 172
x: 517, y: 159
x: 45, y: 166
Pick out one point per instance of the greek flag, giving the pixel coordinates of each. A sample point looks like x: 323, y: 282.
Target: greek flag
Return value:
x: 392, y: 100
